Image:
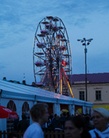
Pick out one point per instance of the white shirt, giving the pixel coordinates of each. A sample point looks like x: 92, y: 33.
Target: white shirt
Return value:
x: 34, y: 131
x: 103, y: 134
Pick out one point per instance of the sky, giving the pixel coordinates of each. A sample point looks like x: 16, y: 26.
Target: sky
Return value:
x: 82, y: 19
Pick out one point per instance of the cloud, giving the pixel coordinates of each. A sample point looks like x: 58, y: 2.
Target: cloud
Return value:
x: 19, y: 20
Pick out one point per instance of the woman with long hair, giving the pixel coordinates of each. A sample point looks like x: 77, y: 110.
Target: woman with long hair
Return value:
x: 75, y: 127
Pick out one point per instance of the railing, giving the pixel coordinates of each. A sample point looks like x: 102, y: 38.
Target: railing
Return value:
x: 54, y: 134
x: 5, y: 134
x: 48, y: 134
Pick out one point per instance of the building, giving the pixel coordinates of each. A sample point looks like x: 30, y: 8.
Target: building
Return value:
x: 20, y: 98
x: 97, y: 88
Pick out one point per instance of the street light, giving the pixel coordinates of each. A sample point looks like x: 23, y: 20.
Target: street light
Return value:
x: 85, y: 42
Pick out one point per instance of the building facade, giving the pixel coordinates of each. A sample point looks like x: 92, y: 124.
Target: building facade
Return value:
x: 97, y: 88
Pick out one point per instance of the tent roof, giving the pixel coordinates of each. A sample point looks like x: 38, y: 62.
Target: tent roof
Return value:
x: 15, y: 90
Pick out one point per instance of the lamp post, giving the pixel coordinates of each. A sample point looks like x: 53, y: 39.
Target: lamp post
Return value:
x: 85, y: 42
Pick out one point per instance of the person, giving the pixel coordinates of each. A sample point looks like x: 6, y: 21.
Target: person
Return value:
x: 100, y: 118
x: 23, y: 124
x: 74, y: 127
x: 39, y: 114
x: 15, y: 125
x: 12, y: 135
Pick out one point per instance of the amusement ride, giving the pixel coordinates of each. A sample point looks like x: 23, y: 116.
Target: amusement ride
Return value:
x: 52, y: 61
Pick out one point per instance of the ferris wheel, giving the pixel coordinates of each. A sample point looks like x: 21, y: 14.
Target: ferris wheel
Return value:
x: 52, y: 56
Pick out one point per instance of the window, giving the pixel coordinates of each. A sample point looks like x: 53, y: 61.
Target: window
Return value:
x: 25, y: 110
x: 81, y: 95
x: 25, y: 107
x: 98, y: 95
x: 11, y: 105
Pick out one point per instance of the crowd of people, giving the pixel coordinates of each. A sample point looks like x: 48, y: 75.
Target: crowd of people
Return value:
x: 95, y: 125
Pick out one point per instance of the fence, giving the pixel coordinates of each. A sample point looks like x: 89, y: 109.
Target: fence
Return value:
x: 54, y: 134
x: 48, y: 134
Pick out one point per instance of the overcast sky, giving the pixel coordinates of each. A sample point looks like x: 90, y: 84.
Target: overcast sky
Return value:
x: 82, y: 18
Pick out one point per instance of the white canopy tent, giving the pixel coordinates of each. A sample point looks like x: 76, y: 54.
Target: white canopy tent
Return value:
x: 20, y: 93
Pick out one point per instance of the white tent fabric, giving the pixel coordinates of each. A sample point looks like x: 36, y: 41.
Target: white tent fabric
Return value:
x: 20, y: 93
x: 29, y: 92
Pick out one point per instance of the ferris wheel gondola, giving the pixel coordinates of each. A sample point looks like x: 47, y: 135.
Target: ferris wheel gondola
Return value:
x: 52, y: 56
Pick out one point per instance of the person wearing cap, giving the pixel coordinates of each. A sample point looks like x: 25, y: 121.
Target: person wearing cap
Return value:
x: 100, y: 118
